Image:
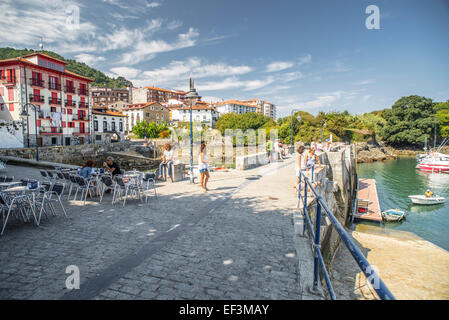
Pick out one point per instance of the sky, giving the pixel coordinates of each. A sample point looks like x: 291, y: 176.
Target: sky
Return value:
x: 308, y: 55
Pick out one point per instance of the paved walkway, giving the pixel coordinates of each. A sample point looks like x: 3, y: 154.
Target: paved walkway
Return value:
x: 235, y: 242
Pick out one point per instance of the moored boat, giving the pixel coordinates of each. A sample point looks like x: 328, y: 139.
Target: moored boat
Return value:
x: 422, y: 199
x: 393, y: 215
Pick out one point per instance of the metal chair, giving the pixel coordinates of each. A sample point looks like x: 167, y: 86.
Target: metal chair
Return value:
x: 128, y: 188
x: 85, y: 185
x: 106, y: 184
x: 147, y: 179
x: 18, y: 205
x: 51, y: 194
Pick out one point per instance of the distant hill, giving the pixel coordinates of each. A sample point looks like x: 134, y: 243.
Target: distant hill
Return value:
x: 100, y: 79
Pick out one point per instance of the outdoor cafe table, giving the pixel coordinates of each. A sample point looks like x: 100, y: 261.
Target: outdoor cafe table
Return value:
x: 6, y: 185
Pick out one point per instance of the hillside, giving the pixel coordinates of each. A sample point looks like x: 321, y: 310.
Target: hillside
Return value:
x: 100, y: 79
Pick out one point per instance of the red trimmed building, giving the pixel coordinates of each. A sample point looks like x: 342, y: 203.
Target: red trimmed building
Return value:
x: 62, y: 98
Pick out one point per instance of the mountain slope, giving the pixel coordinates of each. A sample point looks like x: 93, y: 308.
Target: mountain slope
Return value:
x: 100, y: 79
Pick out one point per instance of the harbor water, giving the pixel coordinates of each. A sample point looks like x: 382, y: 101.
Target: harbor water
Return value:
x: 396, y: 180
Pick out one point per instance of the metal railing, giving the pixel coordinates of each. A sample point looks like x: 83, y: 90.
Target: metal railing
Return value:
x: 371, y: 275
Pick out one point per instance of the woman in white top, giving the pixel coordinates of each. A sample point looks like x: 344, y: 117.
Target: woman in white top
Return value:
x: 167, y: 161
x: 203, y: 167
x: 300, y: 165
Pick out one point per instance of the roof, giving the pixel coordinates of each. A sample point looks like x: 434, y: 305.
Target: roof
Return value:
x: 140, y: 105
x: 241, y: 103
x: 25, y: 61
x: 44, y: 55
x: 107, y: 112
x: 167, y: 90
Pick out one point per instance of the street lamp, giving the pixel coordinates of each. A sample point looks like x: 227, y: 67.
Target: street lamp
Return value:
x: 321, y: 130
x: 192, y: 95
x: 291, y: 129
x: 24, y: 113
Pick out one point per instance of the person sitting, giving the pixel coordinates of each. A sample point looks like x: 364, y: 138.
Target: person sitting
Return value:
x: 111, y: 166
x: 429, y: 193
x: 86, y: 171
x: 167, y: 161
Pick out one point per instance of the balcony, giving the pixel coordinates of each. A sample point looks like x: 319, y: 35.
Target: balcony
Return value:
x: 44, y: 115
x: 83, y: 104
x: 70, y: 103
x: 37, y: 82
x: 8, y: 80
x: 83, y: 92
x: 77, y: 117
x: 69, y: 89
x: 56, y: 101
x: 50, y: 130
x: 38, y: 99
x: 80, y: 131
x: 54, y: 86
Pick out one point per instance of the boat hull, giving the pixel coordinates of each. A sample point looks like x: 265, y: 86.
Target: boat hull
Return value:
x: 425, y: 200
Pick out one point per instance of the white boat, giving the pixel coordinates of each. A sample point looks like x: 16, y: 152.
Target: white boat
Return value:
x: 422, y: 199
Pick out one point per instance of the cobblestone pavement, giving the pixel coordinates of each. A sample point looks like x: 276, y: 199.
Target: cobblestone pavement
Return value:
x: 235, y: 242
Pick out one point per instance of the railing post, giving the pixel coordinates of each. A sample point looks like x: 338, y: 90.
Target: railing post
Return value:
x: 304, y: 211
x: 299, y: 188
x: 313, y: 168
x: 315, y: 288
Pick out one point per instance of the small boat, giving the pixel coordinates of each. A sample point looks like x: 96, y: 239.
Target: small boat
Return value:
x: 393, y: 215
x: 422, y: 199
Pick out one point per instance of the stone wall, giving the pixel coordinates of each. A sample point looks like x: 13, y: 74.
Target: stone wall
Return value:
x: 129, y: 155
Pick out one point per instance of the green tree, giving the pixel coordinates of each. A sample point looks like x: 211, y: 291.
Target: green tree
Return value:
x: 143, y: 129
x: 408, y: 121
x: 243, y: 122
x: 442, y: 114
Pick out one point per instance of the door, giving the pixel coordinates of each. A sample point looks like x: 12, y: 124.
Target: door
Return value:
x: 39, y: 141
x: 81, y: 127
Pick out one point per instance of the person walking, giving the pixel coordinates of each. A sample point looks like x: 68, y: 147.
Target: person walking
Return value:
x: 270, y: 150
x: 300, y: 165
x: 203, y: 167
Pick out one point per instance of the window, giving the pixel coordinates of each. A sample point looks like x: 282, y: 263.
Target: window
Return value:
x: 120, y: 126
x: 67, y: 141
x: 95, y: 125
x: 105, y: 126
x: 113, y: 126
x: 98, y: 137
x: 54, y: 141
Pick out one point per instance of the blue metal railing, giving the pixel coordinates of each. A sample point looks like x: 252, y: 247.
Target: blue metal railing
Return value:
x: 371, y: 275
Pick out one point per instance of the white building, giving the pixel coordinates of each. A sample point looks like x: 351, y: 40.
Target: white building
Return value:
x: 234, y: 106
x: 202, y: 113
x: 108, y: 125
x: 149, y: 112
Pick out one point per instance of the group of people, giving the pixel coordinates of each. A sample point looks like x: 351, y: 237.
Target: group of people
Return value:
x: 109, y: 165
x: 275, y: 150
x: 203, y: 167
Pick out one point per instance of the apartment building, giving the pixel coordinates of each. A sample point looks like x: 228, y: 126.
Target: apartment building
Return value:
x: 234, y: 106
x: 108, y: 125
x: 61, y: 98
x: 153, y: 94
x: 266, y: 108
x: 202, y: 113
x: 149, y: 112
x: 105, y: 96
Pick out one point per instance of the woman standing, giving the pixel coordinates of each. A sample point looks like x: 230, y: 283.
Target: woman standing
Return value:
x: 312, y: 159
x: 300, y: 165
x: 203, y: 167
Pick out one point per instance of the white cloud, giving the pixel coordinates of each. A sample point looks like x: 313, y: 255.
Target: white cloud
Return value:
x: 194, y: 67
x: 306, y: 59
x: 147, y: 49
x: 279, y: 66
x: 233, y: 82
x: 366, y: 98
x: 153, y: 4
x: 365, y: 82
x: 89, y: 59
x: 126, y: 72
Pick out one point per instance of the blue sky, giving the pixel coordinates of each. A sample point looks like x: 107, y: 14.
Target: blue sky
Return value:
x: 313, y: 55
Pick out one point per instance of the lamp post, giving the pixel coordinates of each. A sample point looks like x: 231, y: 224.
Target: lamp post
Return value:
x: 321, y: 130
x: 291, y: 129
x: 192, y: 95
x: 24, y: 113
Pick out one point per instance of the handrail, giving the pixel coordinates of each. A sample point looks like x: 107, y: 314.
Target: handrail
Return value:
x: 371, y: 275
